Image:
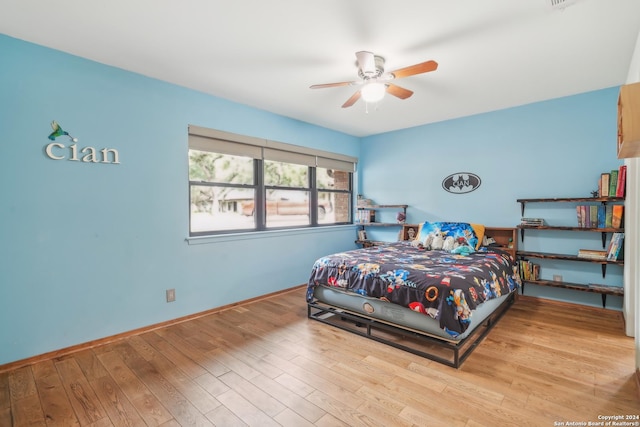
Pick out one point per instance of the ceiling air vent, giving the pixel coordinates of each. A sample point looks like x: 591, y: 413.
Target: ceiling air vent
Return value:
x: 561, y: 4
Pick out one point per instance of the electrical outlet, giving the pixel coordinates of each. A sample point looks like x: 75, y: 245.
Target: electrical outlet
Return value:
x: 557, y: 278
x: 171, y: 295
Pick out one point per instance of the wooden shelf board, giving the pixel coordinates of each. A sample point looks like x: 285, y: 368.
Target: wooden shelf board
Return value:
x: 573, y: 199
x: 527, y: 254
x: 599, y: 289
x: 373, y: 207
x: 556, y: 227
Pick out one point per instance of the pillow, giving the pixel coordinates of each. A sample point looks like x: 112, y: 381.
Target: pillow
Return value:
x: 454, y: 229
x: 419, y: 236
x: 479, y: 230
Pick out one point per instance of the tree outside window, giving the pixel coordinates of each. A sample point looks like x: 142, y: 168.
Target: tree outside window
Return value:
x: 237, y: 193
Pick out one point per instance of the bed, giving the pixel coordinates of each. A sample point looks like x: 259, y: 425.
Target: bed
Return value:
x: 435, y: 301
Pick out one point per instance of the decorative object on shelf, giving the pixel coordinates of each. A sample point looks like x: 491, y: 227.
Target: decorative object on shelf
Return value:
x: 401, y: 217
x: 58, y: 131
x: 408, y: 232
x: 363, y: 203
x: 486, y: 241
x: 411, y: 234
x: 461, y: 182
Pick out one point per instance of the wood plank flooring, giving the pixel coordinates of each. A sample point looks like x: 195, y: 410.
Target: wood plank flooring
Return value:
x: 265, y: 364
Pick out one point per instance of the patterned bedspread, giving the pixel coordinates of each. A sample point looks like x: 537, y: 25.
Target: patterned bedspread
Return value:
x: 445, y: 286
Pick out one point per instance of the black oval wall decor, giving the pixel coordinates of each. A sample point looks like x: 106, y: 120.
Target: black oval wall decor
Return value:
x: 461, y: 182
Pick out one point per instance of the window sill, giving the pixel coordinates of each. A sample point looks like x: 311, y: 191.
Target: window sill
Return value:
x: 234, y: 237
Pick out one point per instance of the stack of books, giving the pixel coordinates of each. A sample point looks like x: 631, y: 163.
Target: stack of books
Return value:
x: 612, y: 184
x: 534, y: 222
x: 614, y: 252
x: 528, y: 270
x: 600, y: 216
x: 363, y: 216
x: 592, y: 254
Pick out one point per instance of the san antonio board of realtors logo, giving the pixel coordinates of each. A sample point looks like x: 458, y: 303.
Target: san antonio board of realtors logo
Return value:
x: 461, y: 182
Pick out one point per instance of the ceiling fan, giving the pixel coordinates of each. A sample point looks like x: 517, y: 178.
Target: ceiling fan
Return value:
x: 375, y: 82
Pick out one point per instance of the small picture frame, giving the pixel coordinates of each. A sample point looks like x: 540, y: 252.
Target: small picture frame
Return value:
x: 411, y: 233
x: 362, y: 235
x: 408, y: 232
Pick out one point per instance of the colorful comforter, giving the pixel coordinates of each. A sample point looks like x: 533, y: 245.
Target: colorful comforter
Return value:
x: 445, y: 286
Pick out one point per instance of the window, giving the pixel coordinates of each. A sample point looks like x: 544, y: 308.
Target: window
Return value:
x: 239, y: 183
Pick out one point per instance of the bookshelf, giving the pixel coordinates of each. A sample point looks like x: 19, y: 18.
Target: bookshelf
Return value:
x: 588, y: 200
x: 506, y: 238
x: 524, y: 255
x: 369, y: 220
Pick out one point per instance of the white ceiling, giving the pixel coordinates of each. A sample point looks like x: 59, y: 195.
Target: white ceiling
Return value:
x: 492, y: 54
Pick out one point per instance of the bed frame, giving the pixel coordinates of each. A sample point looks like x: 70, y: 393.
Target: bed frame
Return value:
x: 411, y: 340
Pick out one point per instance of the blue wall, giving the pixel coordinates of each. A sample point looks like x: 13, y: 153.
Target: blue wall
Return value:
x: 88, y: 250
x: 549, y: 149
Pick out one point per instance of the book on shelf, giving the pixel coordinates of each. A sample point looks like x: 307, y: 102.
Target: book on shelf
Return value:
x: 592, y: 254
x: 622, y: 181
x: 602, y: 216
x: 587, y: 214
x: 613, y: 182
x: 580, y: 215
x: 616, y: 244
x: 603, y: 184
x: 616, y: 216
x: 608, y: 216
x: 593, y: 216
x: 363, y: 216
x: 532, y: 221
x: 598, y: 286
x: 529, y: 270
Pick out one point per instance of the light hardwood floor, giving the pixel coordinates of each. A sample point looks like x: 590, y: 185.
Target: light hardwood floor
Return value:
x: 265, y: 363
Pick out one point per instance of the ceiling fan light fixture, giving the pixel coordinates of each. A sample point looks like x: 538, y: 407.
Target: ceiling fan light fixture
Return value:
x: 373, y: 92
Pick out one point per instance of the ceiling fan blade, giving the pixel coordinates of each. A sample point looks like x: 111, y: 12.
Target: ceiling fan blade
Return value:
x: 423, y: 67
x: 366, y: 62
x: 321, y: 86
x: 351, y: 100
x: 398, y: 91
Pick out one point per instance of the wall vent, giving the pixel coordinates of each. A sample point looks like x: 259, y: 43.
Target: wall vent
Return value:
x: 561, y: 4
